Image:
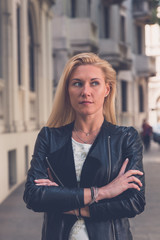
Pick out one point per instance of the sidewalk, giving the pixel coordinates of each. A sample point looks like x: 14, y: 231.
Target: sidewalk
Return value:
x: 147, y: 225
x: 19, y: 223
x: 16, y: 221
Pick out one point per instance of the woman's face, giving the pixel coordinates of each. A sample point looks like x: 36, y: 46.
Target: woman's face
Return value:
x: 87, y: 90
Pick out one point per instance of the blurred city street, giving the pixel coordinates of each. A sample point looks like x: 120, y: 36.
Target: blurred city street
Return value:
x: 17, y: 223
x: 147, y: 225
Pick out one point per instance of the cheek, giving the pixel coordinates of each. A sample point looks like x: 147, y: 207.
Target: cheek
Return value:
x: 100, y: 96
x: 72, y: 97
x: 100, y: 93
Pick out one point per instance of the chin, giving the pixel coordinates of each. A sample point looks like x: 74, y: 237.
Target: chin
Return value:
x: 86, y: 113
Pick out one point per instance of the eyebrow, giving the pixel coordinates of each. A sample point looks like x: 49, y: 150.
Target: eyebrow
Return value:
x: 78, y: 79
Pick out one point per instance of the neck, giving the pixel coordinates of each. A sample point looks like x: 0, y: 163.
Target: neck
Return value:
x: 88, y: 124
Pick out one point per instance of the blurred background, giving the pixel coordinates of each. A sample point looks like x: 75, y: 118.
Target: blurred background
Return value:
x: 37, y: 37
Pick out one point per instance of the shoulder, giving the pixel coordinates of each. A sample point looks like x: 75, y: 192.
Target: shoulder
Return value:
x: 119, y: 130
x: 56, y: 132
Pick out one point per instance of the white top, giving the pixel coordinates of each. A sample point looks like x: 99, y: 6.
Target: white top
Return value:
x: 80, y: 151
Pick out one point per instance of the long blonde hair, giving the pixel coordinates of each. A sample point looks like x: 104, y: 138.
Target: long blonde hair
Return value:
x: 62, y: 111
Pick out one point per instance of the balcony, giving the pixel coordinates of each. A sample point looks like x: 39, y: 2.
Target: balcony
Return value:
x: 49, y: 2
x: 141, y: 11
x: 108, y: 2
x: 145, y: 65
x: 117, y: 53
x: 83, y: 35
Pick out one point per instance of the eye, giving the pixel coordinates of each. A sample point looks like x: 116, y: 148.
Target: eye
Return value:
x: 95, y: 83
x: 77, y: 84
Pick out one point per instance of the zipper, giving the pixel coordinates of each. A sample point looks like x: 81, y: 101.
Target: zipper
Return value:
x: 109, y: 175
x: 109, y: 157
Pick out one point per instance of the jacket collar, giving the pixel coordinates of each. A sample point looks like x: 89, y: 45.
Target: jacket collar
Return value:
x: 96, y: 159
x: 64, y: 135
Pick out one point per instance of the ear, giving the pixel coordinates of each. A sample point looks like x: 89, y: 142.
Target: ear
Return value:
x: 107, y: 89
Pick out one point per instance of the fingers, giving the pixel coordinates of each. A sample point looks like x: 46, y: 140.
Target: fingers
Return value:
x: 133, y: 182
x: 133, y: 172
x: 136, y: 180
x: 133, y: 185
x: 123, y: 168
x: 45, y: 182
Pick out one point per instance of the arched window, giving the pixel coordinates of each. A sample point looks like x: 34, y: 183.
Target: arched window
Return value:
x: 0, y: 40
x: 73, y: 8
x: 124, y: 93
x: 31, y: 53
x: 106, y: 22
x: 89, y: 8
x: 141, y: 99
x: 19, y: 43
x: 122, y: 28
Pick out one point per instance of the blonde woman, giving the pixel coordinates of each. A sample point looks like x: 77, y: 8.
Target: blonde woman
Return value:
x: 86, y: 173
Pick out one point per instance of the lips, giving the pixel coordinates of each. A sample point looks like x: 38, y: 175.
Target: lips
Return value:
x: 86, y: 102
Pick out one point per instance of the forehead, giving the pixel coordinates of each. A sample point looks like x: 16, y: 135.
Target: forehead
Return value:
x: 89, y: 71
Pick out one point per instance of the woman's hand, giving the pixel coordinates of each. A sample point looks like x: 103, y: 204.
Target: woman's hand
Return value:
x: 46, y: 182
x: 121, y: 183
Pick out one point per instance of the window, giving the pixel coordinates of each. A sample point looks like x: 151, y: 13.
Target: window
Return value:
x: 139, y: 40
x: 19, y: 43
x: 124, y: 95
x: 89, y: 8
x: 1, y: 105
x: 12, y: 168
x: 137, y: 5
x: 122, y: 28
x: 26, y: 150
x: 141, y: 99
x: 0, y: 40
x: 158, y: 109
x: 73, y: 8
x: 106, y: 22
x: 31, y: 52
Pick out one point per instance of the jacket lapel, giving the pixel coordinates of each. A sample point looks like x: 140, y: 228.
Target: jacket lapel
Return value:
x: 95, y: 169
x: 61, y: 157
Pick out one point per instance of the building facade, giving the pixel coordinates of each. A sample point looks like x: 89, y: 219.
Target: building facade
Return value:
x: 116, y: 31
x: 153, y: 49
x: 25, y: 84
x: 32, y: 60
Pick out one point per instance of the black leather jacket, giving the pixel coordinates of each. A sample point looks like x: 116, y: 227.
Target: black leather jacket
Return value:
x: 108, y: 218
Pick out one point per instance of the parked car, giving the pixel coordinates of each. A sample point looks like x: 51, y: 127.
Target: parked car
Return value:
x: 156, y: 133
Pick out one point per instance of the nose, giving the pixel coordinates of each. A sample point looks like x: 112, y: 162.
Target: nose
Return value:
x: 86, y: 91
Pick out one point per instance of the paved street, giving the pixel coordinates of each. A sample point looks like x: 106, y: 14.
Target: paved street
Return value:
x: 18, y: 223
x: 147, y: 225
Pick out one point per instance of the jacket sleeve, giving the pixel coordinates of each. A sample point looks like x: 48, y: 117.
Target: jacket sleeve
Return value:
x: 131, y: 202
x: 48, y: 198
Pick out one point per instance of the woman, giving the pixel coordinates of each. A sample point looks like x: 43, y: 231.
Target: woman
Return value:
x: 146, y: 134
x: 86, y: 173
